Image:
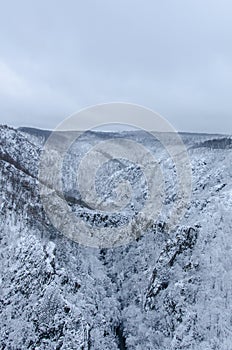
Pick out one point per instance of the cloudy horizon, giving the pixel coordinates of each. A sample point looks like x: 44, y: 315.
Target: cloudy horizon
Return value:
x: 172, y: 57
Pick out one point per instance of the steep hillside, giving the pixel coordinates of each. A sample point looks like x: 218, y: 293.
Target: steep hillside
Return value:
x: 166, y: 290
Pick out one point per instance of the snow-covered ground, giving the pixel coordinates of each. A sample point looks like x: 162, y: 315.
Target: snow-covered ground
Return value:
x: 164, y: 290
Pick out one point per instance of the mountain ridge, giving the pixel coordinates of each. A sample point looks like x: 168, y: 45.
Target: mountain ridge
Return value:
x: 165, y: 290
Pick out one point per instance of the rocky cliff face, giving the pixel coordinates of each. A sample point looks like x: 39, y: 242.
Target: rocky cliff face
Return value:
x: 165, y: 290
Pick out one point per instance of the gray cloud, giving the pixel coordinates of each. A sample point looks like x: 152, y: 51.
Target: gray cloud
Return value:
x: 174, y: 57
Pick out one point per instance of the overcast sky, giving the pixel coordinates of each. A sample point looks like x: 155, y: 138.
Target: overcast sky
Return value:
x: 173, y: 56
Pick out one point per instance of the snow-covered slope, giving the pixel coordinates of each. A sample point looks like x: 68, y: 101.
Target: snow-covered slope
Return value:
x: 165, y: 290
